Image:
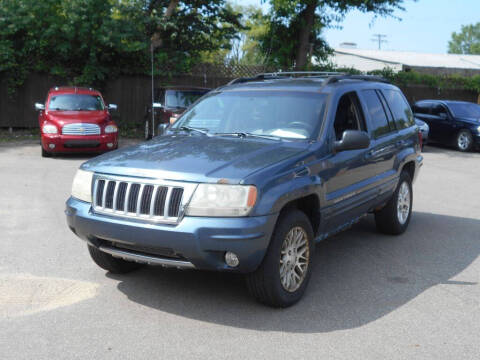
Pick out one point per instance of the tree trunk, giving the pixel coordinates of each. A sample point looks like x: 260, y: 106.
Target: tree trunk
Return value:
x: 156, y: 38
x: 308, y: 16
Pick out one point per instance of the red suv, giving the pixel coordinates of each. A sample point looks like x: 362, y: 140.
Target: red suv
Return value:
x: 76, y: 119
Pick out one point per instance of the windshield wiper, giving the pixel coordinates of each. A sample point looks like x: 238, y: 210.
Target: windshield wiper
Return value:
x: 188, y: 128
x: 246, y: 134
x: 238, y: 134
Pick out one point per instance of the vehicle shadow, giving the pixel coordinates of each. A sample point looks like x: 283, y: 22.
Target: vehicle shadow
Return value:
x: 449, y: 150
x: 360, y: 276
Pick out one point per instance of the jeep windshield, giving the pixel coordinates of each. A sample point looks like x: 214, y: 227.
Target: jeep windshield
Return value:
x: 274, y: 114
x: 76, y: 102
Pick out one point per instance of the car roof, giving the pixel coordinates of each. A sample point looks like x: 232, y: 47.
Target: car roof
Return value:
x: 183, y: 87
x: 445, y: 102
x: 58, y: 90
x: 315, y: 84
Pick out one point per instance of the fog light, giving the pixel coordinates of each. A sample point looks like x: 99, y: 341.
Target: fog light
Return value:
x: 110, y: 145
x: 231, y: 259
x: 51, y: 146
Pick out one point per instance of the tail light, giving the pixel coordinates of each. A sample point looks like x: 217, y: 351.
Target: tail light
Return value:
x: 420, y: 138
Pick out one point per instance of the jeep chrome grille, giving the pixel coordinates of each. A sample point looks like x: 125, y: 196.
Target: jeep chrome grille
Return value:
x: 148, y: 200
x: 81, y: 129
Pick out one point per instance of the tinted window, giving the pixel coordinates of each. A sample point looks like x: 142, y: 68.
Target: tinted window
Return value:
x: 378, y: 118
x: 182, y: 99
x: 76, y: 102
x: 422, y: 108
x: 295, y: 115
x: 348, y: 116
x: 465, y: 110
x: 401, y: 111
x: 439, y: 109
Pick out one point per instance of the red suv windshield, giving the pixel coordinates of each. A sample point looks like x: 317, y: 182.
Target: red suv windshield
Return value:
x: 76, y: 102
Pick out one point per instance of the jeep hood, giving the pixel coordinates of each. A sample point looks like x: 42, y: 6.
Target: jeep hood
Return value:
x: 196, y: 158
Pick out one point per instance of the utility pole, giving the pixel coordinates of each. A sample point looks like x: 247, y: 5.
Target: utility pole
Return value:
x: 380, y: 38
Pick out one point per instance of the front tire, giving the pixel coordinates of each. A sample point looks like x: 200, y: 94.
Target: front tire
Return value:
x: 464, y: 140
x: 282, y: 278
x: 110, y: 263
x: 394, y: 218
x: 45, y: 154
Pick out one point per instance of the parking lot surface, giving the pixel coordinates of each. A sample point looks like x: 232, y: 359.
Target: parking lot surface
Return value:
x: 371, y: 296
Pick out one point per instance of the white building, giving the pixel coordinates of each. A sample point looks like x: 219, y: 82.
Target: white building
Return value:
x: 368, y: 60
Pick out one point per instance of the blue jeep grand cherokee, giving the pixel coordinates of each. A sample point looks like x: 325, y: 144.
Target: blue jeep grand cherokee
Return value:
x: 251, y: 177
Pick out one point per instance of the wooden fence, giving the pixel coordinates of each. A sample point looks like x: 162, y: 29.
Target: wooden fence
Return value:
x: 133, y: 93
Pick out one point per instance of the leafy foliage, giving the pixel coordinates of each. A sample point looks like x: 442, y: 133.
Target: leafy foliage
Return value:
x: 467, y: 41
x: 88, y: 41
x: 281, y: 43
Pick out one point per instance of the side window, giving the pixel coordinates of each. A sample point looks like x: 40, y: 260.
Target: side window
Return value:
x: 422, y: 108
x: 401, y: 111
x: 349, y: 115
x: 378, y: 118
x: 439, y: 110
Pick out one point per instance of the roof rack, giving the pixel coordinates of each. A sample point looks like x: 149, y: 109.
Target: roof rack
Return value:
x: 331, y: 77
x: 334, y: 79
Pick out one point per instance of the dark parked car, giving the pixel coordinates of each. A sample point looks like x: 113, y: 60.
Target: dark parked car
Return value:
x: 170, y: 103
x: 424, y: 129
x: 251, y: 177
x: 451, y: 122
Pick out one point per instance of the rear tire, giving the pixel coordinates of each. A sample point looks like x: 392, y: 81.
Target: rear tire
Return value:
x: 147, y: 135
x: 393, y: 219
x: 282, y: 278
x: 464, y: 141
x: 110, y: 263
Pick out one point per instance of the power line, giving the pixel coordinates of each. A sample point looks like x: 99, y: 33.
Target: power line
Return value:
x: 381, y: 39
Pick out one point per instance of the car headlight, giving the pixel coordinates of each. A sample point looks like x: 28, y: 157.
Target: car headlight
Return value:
x: 49, y: 129
x: 222, y: 200
x: 82, y: 185
x: 111, y: 129
x: 478, y: 129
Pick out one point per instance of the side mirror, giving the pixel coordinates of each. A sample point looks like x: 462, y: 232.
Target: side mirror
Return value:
x: 353, y: 140
x: 443, y: 116
x: 39, y: 106
x: 112, y: 107
x: 162, y: 128
x: 157, y: 105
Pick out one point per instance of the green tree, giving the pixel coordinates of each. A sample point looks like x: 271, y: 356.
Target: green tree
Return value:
x: 467, y: 41
x: 295, y: 27
x: 88, y: 41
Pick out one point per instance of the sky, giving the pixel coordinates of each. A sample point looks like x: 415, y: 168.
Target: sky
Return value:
x: 425, y: 26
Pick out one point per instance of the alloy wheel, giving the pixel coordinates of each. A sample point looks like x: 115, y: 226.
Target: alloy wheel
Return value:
x: 463, y: 141
x: 294, y: 259
x: 403, y: 203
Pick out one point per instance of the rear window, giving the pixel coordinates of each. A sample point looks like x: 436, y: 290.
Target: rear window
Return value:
x: 402, y: 114
x: 182, y: 98
x: 378, y: 117
x: 75, y: 102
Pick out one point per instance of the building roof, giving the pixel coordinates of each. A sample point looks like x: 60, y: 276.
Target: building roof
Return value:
x: 366, y: 60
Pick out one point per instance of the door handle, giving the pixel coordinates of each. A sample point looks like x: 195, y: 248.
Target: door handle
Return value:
x: 304, y: 171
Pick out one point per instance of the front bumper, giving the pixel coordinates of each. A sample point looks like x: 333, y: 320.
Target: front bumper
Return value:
x: 79, y: 143
x: 201, y: 241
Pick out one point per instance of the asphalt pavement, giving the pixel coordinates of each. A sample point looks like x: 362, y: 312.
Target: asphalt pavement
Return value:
x: 371, y: 296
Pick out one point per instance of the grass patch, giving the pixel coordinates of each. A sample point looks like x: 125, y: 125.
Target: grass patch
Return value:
x: 8, y: 135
